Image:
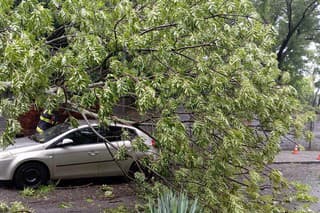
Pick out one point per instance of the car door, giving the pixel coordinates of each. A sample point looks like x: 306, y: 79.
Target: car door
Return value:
x: 114, y: 135
x: 79, y: 158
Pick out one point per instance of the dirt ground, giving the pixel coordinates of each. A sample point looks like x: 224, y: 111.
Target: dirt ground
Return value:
x: 87, y: 196
x: 76, y: 196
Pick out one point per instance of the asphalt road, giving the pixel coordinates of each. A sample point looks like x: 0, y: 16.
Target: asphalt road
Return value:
x: 307, y: 173
x: 87, y: 195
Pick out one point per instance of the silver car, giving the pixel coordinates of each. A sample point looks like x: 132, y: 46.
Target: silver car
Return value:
x: 63, y: 152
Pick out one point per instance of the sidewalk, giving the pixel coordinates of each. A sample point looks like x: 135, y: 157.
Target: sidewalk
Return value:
x: 301, y: 157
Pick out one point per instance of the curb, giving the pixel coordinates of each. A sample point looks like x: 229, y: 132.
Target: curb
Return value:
x: 296, y: 162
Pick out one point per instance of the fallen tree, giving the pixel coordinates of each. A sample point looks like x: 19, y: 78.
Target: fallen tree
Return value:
x: 212, y: 59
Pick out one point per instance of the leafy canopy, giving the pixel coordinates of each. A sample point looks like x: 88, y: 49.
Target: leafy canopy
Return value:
x: 210, y: 60
x: 297, y: 25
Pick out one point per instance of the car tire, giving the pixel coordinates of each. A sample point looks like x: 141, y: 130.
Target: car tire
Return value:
x: 31, y: 175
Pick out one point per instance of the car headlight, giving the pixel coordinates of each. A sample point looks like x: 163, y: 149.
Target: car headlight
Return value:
x: 5, y: 154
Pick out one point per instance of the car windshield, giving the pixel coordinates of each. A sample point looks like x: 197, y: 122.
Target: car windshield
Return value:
x: 51, y: 133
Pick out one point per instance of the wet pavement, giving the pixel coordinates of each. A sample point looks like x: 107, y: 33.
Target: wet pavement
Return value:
x: 302, y: 167
x: 300, y: 157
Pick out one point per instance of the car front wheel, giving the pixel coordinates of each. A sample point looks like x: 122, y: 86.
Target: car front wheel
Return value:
x: 31, y: 174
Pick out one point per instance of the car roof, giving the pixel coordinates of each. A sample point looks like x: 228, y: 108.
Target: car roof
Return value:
x: 83, y: 123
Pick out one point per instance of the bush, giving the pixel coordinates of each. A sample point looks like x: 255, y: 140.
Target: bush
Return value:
x: 169, y: 202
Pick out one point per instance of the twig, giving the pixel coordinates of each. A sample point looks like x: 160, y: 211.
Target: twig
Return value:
x: 5, y: 29
x: 232, y: 16
x: 74, y: 187
x: 160, y: 27
x: 185, y: 56
x: 194, y: 46
x: 115, y: 30
x: 59, y: 38
x: 106, y: 142
x: 290, y: 140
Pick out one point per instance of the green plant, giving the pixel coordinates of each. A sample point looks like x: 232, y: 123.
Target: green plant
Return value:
x: 28, y: 192
x: 45, y: 189
x: 18, y: 207
x: 13, y: 207
x: 105, y: 187
x: 89, y: 200
x: 40, y: 192
x: 108, y: 194
x: 169, y: 202
x: 4, y: 207
x: 209, y: 60
x: 119, y: 209
x: 108, y: 191
x: 65, y: 205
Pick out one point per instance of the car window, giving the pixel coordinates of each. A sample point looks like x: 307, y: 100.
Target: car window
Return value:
x: 128, y: 134
x: 51, y: 133
x: 111, y: 133
x: 115, y: 133
x: 82, y: 136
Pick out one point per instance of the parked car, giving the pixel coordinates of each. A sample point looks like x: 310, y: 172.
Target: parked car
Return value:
x: 63, y: 152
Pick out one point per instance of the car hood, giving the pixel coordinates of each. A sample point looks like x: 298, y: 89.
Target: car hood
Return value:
x: 22, y: 145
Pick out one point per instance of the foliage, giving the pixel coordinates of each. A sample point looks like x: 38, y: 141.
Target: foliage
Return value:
x: 28, y: 192
x: 65, y: 205
x: 13, y: 207
x: 108, y: 191
x: 169, y: 202
x: 202, y: 71
x: 297, y: 25
x: 119, y: 209
x: 42, y: 191
x: 305, y: 88
x: 89, y: 200
x: 301, y: 197
x: 45, y: 189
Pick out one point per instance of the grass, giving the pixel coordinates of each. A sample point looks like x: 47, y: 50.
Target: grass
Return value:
x: 42, y: 191
x: 65, y: 205
x: 14, y: 207
x: 108, y: 191
x: 119, y: 209
x: 89, y: 200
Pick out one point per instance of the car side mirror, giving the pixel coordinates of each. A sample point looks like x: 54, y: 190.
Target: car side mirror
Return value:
x: 66, y: 141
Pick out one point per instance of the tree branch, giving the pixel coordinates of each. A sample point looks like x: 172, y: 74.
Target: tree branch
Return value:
x: 160, y: 27
x: 58, y: 39
x: 194, y: 46
x: 115, y: 30
x: 180, y: 48
x: 5, y: 84
x: 289, y: 11
x: 185, y: 56
x: 281, y: 53
x: 236, y: 181
x: 231, y: 16
x: 5, y: 29
x: 106, y: 142
x: 53, y: 90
